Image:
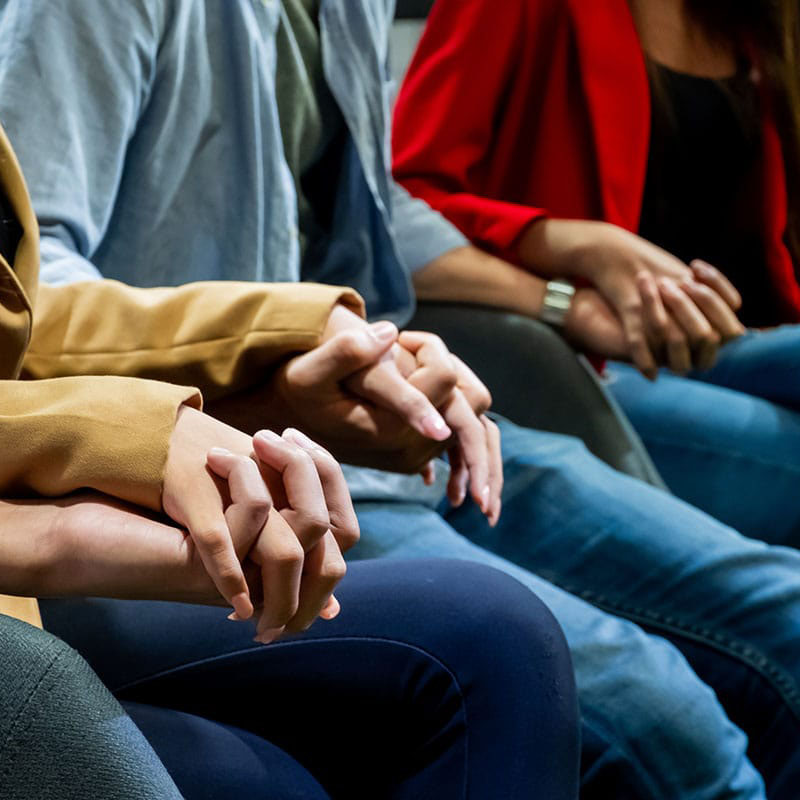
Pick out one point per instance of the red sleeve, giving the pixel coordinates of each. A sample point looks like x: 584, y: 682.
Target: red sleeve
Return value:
x: 447, y: 112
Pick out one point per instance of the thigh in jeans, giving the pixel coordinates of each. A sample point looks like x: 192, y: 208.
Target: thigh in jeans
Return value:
x: 730, y: 453
x: 640, y: 553
x: 651, y: 728
x: 764, y: 363
x: 437, y: 679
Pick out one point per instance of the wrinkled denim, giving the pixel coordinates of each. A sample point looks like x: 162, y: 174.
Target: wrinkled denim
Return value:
x: 728, y: 439
x: 599, y: 541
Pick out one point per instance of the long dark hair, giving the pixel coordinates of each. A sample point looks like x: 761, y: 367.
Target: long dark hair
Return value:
x: 771, y: 30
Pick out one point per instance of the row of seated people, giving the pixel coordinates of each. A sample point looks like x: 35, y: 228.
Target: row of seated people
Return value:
x: 236, y: 153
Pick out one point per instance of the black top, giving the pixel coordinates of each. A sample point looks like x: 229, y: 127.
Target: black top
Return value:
x: 702, y: 196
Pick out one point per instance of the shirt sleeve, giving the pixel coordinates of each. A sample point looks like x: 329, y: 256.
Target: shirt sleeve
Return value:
x: 448, y: 114
x: 67, y: 143
x: 421, y: 233
x: 107, y: 434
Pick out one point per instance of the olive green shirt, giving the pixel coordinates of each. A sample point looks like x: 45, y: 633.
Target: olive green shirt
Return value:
x: 309, y: 116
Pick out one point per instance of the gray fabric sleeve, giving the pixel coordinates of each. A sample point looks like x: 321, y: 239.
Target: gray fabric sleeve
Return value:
x: 62, y: 735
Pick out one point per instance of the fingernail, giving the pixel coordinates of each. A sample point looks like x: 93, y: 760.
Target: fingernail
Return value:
x: 331, y: 610
x: 268, y: 636
x: 484, y: 498
x: 383, y: 331
x: 219, y: 451
x: 299, y: 438
x: 496, y: 514
x: 434, y: 426
x: 234, y: 617
x: 268, y: 436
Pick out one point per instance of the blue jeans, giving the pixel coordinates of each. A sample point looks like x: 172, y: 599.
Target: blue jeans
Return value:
x: 438, y: 679
x: 727, y: 440
x: 625, y: 567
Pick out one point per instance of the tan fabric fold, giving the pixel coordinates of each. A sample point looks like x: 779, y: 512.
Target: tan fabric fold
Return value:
x: 220, y: 337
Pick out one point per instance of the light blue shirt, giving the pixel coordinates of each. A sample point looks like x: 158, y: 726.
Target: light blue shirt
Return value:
x: 148, y: 131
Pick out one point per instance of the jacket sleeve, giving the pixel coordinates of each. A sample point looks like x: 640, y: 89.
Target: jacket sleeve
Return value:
x: 449, y: 111
x: 220, y: 337
x: 107, y: 434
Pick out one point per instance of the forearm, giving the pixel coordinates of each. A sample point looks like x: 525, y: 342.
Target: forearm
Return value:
x: 91, y: 546
x: 221, y: 338
x: 557, y: 248
x: 469, y: 275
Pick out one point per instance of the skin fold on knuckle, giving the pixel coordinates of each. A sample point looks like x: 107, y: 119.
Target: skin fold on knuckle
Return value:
x: 310, y: 526
x: 213, y: 541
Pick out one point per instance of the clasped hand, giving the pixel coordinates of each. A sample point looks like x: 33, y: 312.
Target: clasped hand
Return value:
x: 394, y: 401
x: 269, y: 518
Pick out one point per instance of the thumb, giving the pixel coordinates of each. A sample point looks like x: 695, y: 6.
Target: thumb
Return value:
x: 343, y: 354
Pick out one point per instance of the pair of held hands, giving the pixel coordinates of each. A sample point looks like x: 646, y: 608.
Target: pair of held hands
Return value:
x: 643, y: 305
x: 270, y: 517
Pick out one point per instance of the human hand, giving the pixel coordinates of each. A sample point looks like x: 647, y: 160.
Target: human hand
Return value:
x: 312, y: 523
x: 474, y: 450
x: 224, y: 515
x: 670, y: 313
x: 398, y: 428
x: 95, y: 546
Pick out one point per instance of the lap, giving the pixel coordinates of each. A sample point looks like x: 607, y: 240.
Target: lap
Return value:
x: 728, y: 452
x: 650, y: 725
x: 223, y: 761
x: 387, y: 679
x: 764, y: 363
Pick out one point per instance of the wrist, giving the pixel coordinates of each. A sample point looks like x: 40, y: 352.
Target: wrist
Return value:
x: 562, y: 248
x: 31, y: 546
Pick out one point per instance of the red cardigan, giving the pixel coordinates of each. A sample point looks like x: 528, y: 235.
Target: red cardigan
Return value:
x: 522, y: 108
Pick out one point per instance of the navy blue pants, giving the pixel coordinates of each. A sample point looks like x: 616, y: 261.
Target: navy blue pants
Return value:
x: 438, y: 679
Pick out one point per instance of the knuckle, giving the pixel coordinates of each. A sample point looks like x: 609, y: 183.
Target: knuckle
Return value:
x: 448, y: 374
x: 632, y: 307
x: 435, y: 340
x: 326, y: 462
x: 214, y: 540
x: 288, y: 556
x: 256, y: 507
x: 675, y: 337
x: 349, y: 537
x: 484, y: 400
x: 229, y: 571
x: 636, y: 339
x: 351, y: 344
x: 313, y: 525
x: 334, y: 571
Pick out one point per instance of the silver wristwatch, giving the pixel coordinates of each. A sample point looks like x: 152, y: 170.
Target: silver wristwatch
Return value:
x: 557, y: 300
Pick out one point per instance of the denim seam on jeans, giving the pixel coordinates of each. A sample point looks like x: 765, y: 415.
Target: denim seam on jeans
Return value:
x: 751, y: 657
x: 318, y: 640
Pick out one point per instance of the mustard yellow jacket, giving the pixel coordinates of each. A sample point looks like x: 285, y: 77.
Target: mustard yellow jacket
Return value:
x: 59, y: 433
